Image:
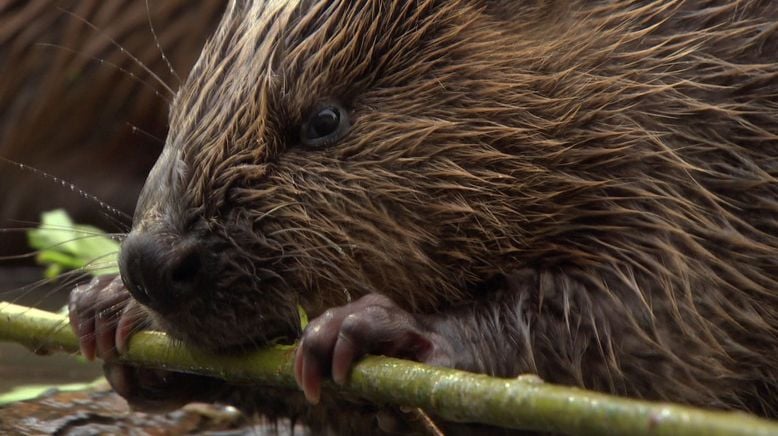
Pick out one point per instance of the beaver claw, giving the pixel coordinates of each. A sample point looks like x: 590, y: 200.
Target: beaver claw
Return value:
x: 103, y: 315
x: 373, y: 324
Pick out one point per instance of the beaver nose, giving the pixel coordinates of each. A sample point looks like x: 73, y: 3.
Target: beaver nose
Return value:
x: 160, y: 274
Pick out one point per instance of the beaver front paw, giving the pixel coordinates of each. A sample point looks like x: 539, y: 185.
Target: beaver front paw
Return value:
x: 103, y: 315
x: 374, y: 324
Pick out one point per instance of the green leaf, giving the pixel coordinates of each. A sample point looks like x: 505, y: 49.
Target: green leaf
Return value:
x: 64, y: 245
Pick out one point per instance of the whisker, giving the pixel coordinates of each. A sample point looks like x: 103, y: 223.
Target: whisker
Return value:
x: 67, y: 279
x: 106, y: 63
x: 18, y: 256
x: 49, y: 247
x: 122, y: 226
x: 117, y: 236
x: 34, y: 253
x: 78, y: 238
x: 100, y: 260
x: 159, y: 46
x: 25, y: 289
x: 64, y: 183
x: 38, y: 226
x: 137, y: 130
x: 121, y: 48
x: 63, y: 281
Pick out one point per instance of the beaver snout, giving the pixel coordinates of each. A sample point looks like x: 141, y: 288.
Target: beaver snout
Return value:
x: 162, y: 274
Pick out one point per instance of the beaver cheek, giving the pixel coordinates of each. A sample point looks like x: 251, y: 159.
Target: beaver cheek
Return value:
x: 374, y: 324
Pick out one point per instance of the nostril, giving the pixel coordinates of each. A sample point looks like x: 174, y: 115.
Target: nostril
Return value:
x: 187, y: 269
x: 162, y: 275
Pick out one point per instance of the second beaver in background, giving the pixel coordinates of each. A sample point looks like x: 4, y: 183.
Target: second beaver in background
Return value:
x: 584, y: 190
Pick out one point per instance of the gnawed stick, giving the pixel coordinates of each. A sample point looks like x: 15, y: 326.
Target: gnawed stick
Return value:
x: 521, y: 403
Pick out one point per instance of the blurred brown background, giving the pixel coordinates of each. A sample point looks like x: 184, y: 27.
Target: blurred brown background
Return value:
x: 78, y: 107
x: 67, y: 108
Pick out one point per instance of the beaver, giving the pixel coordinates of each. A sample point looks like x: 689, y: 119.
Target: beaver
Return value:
x: 75, y: 104
x: 583, y: 190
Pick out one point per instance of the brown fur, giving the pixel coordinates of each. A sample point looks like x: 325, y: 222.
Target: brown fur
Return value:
x: 587, y: 190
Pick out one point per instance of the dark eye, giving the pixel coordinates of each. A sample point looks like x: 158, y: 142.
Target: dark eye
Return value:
x: 324, y: 126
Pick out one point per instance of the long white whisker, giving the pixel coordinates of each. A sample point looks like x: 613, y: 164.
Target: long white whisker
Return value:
x: 32, y: 225
x: 123, y: 50
x: 101, y: 61
x: 137, y: 130
x: 66, y: 184
x: 159, y: 46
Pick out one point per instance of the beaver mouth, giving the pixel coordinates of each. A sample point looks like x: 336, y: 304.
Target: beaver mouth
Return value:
x: 230, y: 325
x: 215, y: 336
x: 205, y: 293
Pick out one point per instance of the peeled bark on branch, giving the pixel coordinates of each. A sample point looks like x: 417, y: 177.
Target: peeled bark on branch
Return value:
x: 521, y: 403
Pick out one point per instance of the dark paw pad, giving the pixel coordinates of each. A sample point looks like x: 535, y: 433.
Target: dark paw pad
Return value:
x: 371, y: 325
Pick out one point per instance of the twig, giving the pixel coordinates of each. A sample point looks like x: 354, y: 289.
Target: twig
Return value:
x: 521, y: 403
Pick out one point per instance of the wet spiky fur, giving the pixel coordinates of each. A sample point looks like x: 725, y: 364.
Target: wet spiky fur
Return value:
x: 587, y: 190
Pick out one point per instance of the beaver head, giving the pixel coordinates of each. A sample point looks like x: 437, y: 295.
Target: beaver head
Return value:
x: 323, y: 150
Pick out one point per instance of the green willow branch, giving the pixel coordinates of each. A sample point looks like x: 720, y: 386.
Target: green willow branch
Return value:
x: 521, y: 403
